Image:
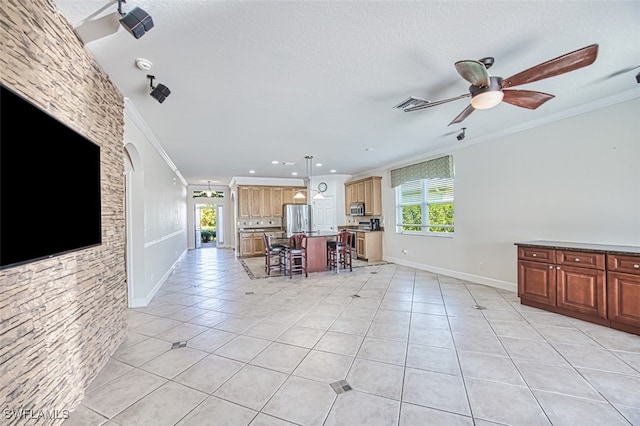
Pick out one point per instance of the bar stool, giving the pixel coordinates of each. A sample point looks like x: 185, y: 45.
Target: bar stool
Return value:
x: 339, y: 255
x: 273, y: 255
x: 295, y: 258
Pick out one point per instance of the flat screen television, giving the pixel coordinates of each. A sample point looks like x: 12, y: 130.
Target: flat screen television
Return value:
x: 49, y: 184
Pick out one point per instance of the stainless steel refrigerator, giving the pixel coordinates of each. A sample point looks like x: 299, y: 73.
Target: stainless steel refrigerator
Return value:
x: 296, y: 218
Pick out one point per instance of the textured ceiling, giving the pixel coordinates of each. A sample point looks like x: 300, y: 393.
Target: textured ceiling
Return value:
x: 256, y: 81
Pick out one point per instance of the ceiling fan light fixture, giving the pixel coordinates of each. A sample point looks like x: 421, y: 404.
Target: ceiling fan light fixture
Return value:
x: 487, y: 97
x: 487, y: 100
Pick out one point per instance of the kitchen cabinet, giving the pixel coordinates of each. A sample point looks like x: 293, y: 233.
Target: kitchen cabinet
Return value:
x: 251, y: 244
x: 348, y: 199
x: 623, y: 286
x: 369, y: 245
x: 367, y: 191
x: 267, y: 206
x: 255, y: 206
x: 276, y: 201
x: 288, y: 193
x: 244, y: 201
x: 265, y: 201
x: 591, y: 282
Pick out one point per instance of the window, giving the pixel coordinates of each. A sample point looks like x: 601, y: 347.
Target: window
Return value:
x: 208, y: 194
x: 424, y: 197
x: 425, y: 206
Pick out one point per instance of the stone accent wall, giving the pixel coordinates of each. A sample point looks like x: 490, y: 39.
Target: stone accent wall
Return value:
x: 62, y: 318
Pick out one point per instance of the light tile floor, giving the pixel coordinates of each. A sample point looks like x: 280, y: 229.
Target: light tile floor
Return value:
x: 412, y: 347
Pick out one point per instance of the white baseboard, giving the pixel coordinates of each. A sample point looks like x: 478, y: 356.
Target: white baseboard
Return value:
x: 504, y: 285
x: 144, y: 301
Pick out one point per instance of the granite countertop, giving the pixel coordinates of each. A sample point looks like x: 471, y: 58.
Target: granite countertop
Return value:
x: 278, y: 233
x: 600, y: 248
x: 356, y: 229
x: 254, y: 230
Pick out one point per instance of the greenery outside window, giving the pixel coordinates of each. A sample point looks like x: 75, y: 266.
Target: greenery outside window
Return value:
x: 208, y: 194
x: 425, y: 206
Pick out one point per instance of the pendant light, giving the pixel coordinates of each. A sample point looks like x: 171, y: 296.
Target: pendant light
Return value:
x: 318, y: 195
x: 209, y: 191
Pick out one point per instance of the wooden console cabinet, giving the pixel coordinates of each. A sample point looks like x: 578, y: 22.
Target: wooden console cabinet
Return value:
x: 593, y: 282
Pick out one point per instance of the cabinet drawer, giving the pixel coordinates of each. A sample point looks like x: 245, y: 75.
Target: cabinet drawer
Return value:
x: 537, y: 254
x: 621, y: 263
x: 581, y: 259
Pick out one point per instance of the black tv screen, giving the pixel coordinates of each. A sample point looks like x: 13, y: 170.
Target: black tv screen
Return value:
x: 49, y: 185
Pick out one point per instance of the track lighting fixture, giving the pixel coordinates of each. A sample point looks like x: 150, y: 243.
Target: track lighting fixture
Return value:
x: 461, y: 135
x: 137, y: 21
x: 638, y: 78
x: 159, y: 92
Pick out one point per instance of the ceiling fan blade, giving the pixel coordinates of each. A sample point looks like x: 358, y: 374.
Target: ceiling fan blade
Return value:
x: 464, y: 114
x: 568, y: 62
x: 526, y: 98
x: 431, y: 104
x: 474, y: 72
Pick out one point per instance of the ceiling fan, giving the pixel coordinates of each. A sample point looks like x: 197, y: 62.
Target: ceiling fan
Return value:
x: 487, y: 91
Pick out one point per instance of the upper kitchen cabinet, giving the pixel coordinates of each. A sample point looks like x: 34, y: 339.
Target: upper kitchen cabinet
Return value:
x: 266, y: 201
x: 367, y: 191
x: 288, y: 193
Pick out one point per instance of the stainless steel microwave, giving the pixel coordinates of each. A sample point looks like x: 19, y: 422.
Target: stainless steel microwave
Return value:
x: 357, y: 209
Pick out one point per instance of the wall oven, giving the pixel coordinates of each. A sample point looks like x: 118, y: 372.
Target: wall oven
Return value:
x: 357, y: 209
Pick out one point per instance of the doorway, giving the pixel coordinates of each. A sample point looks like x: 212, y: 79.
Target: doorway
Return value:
x: 209, y: 225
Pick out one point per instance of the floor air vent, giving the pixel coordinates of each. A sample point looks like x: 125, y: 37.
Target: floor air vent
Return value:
x: 341, y: 386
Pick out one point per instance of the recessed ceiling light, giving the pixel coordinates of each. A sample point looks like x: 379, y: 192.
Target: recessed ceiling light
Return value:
x: 294, y: 173
x: 318, y: 164
x: 252, y: 171
x: 275, y: 162
x: 332, y: 171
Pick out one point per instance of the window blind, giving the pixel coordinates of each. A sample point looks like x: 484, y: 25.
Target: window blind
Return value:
x: 437, y: 168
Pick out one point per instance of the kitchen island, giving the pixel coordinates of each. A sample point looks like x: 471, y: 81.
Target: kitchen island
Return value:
x: 316, y: 247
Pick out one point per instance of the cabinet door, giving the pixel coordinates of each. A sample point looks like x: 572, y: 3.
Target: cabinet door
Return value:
x: 348, y: 199
x: 373, y: 196
x: 582, y: 290
x: 246, y: 245
x: 276, y: 202
x: 287, y: 195
x: 300, y: 200
x: 361, y: 244
x: 255, y: 209
x: 258, y: 244
x: 360, y: 192
x: 624, y: 298
x: 244, y: 201
x: 537, y: 282
x: 267, y: 206
x: 368, y: 197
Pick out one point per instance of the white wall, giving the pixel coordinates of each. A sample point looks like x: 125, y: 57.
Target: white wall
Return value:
x: 161, y: 194
x: 577, y: 179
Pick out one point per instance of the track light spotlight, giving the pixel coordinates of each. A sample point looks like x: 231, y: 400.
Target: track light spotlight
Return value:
x: 137, y: 22
x: 638, y: 78
x: 461, y: 135
x: 159, y: 92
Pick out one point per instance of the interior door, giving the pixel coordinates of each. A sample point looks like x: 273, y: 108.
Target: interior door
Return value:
x: 323, y: 214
